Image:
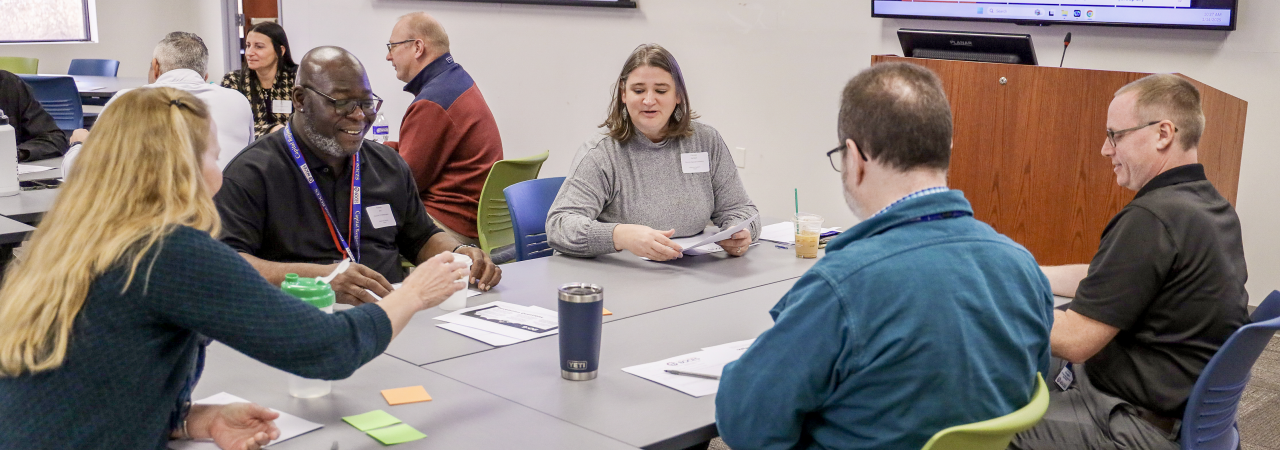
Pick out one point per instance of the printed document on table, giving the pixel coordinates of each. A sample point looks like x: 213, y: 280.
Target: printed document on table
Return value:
x: 784, y: 232
x: 494, y: 339
x: 692, y: 243
x: 706, y: 362
x: 513, y: 321
x: 291, y: 426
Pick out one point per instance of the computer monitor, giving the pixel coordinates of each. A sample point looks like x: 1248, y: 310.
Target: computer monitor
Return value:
x: 1190, y: 14
x: 1000, y: 48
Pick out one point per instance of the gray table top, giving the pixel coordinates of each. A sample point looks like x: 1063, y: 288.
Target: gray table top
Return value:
x: 28, y: 206
x: 631, y: 286
x: 108, y: 85
x: 457, y: 417
x: 12, y: 231
x: 56, y: 163
x: 629, y: 408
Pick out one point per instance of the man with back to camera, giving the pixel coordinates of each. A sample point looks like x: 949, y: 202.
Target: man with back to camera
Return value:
x: 448, y: 136
x: 38, y: 134
x: 917, y: 319
x: 1163, y: 293
x: 180, y: 61
x: 270, y: 201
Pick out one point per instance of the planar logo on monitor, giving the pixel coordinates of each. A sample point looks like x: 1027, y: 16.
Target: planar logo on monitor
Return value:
x: 962, y: 43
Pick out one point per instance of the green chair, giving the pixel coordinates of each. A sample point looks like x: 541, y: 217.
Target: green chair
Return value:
x: 493, y: 219
x: 19, y: 65
x: 996, y: 433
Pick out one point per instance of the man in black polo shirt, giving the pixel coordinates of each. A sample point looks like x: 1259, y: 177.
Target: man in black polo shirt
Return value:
x: 272, y: 213
x: 1163, y: 293
x: 38, y: 134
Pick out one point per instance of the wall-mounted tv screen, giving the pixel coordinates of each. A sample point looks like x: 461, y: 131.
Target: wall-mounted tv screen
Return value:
x: 1194, y: 14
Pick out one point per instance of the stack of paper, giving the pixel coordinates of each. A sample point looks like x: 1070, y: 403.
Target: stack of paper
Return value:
x: 502, y: 323
x: 709, y: 362
x: 31, y: 168
x: 784, y: 232
x: 703, y: 243
x: 291, y: 426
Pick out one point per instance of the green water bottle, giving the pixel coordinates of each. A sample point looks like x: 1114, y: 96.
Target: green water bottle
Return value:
x: 319, y: 294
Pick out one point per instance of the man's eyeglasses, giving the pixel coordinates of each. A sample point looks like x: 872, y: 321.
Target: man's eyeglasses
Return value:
x: 347, y: 106
x: 836, y: 156
x: 392, y: 45
x: 1113, y: 136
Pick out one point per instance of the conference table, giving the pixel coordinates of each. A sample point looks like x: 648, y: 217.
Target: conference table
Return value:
x: 513, y: 396
x: 104, y: 87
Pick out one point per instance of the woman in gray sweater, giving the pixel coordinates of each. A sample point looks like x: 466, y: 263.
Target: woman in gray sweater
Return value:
x: 655, y: 175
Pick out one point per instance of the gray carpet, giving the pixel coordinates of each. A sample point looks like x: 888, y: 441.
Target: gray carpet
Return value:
x: 1259, y: 414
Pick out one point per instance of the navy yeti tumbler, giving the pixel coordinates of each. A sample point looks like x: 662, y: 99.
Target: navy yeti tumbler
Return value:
x: 581, y: 315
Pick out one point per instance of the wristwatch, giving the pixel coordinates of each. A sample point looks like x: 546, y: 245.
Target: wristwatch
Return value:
x: 455, y: 249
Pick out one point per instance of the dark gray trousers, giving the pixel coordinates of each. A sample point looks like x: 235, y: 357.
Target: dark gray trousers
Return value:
x: 1084, y: 418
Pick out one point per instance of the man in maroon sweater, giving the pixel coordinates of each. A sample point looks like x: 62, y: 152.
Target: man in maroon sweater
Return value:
x: 448, y: 136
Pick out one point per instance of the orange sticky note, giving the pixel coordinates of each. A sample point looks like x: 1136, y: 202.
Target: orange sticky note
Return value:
x: 607, y: 312
x: 400, y: 396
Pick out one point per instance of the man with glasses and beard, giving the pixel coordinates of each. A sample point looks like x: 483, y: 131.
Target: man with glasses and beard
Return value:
x: 304, y: 198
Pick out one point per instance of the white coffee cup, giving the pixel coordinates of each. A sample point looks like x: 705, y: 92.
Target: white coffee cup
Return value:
x: 459, y: 299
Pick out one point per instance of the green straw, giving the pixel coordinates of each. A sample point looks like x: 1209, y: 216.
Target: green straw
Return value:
x: 797, y: 201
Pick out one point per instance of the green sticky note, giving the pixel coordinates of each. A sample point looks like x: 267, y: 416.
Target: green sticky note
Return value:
x: 370, y: 420
x: 398, y: 434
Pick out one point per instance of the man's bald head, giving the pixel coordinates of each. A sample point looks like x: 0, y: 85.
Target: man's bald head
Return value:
x: 321, y: 64
x: 420, y: 25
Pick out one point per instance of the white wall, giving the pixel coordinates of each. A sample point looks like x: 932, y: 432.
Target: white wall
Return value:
x: 128, y: 31
x: 767, y: 74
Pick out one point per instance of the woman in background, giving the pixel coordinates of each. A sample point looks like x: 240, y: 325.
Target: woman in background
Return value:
x: 654, y: 169
x: 101, y: 325
x: 267, y: 77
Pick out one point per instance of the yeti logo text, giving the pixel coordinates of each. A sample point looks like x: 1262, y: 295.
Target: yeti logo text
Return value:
x: 578, y: 365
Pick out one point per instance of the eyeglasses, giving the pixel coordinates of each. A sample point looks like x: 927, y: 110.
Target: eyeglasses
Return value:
x: 836, y: 156
x: 347, y: 106
x: 392, y: 45
x: 1113, y: 136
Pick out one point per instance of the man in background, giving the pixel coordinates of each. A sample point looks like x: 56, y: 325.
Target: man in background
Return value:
x: 448, y: 136
x: 38, y: 134
x: 181, y: 61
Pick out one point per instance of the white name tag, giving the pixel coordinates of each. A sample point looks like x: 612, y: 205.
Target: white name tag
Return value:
x: 695, y: 162
x: 282, y: 106
x: 381, y: 216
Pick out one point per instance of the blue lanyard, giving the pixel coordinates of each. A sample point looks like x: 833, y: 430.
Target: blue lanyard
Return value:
x: 354, y: 223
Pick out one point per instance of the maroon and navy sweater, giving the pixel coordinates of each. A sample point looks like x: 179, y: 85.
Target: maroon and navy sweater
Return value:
x: 450, y: 140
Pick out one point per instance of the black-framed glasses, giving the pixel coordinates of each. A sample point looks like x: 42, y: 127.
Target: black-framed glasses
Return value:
x: 392, y: 45
x: 836, y: 156
x: 347, y: 106
x: 1113, y: 136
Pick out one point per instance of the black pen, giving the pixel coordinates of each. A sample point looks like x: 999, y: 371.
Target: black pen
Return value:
x: 691, y: 374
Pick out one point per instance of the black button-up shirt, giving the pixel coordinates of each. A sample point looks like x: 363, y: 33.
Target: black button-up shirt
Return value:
x: 1170, y: 275
x: 37, y: 132
x: 269, y: 211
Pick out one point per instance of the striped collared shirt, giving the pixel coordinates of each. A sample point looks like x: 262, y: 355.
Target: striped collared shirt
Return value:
x: 916, y: 194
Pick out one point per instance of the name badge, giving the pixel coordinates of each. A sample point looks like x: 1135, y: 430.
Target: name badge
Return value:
x: 282, y: 106
x: 1065, y: 378
x: 381, y: 216
x: 695, y: 162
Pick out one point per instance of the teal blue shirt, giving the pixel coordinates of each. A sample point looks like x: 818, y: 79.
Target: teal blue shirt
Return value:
x: 904, y: 328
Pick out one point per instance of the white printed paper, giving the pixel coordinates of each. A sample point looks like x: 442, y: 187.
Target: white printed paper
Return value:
x: 31, y: 168
x: 282, y: 106
x: 708, y: 362
x: 290, y: 426
x: 695, y: 162
x: 381, y: 216
x: 494, y: 339
x: 784, y: 232
x: 689, y: 244
x: 507, y: 319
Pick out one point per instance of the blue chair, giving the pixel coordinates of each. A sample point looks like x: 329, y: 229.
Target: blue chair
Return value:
x: 529, y: 202
x: 94, y: 67
x: 1269, y: 309
x: 60, y: 98
x: 1209, y: 422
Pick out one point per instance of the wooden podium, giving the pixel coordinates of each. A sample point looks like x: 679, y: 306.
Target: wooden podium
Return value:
x: 1027, y: 150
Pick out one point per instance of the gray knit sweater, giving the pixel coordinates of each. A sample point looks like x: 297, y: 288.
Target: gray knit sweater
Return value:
x: 644, y: 183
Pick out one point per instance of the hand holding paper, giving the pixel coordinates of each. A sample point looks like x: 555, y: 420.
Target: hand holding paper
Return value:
x: 690, y: 244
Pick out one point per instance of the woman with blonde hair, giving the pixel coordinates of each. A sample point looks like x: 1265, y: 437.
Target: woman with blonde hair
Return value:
x: 101, y: 326
x: 655, y: 168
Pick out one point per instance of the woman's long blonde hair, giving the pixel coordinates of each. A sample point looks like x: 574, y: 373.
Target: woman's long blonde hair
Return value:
x: 136, y: 179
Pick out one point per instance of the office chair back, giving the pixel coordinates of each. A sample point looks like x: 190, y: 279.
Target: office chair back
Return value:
x: 1270, y: 308
x: 19, y: 65
x: 60, y: 98
x: 95, y: 67
x: 529, y: 202
x: 1209, y: 422
x: 493, y: 219
x: 994, y: 434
